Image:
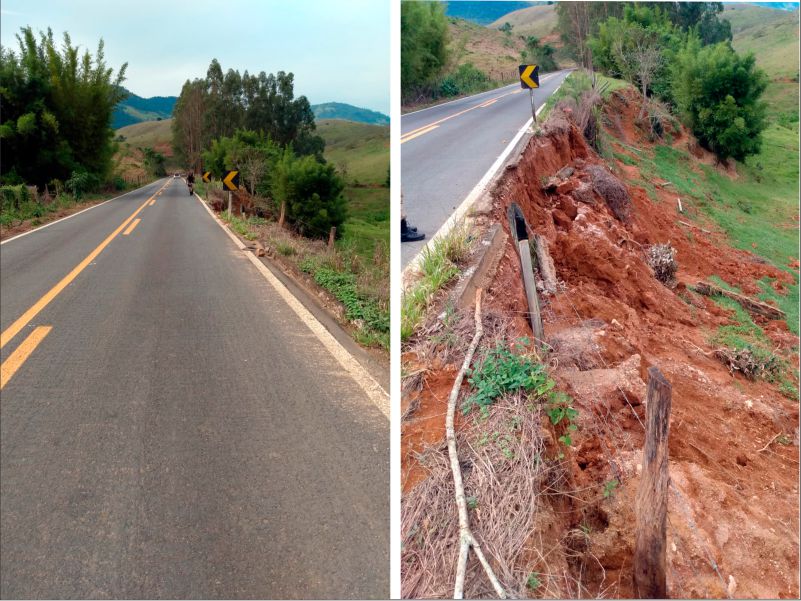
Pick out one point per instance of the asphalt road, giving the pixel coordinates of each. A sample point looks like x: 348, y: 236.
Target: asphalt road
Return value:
x: 178, y: 432
x: 447, y: 149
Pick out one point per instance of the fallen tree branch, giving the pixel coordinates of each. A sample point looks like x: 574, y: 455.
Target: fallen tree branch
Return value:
x: 765, y: 448
x: 751, y: 305
x: 695, y: 226
x: 466, y: 538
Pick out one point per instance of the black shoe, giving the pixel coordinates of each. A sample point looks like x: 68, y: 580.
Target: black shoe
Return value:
x: 411, y: 236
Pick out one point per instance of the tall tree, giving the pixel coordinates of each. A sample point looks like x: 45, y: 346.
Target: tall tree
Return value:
x: 57, y: 109
x: 424, y: 40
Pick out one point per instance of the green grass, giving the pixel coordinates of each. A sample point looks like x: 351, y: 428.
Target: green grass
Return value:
x: 368, y: 220
x: 772, y: 35
x: 362, y: 149
x: 439, y: 265
x: 148, y: 133
x: 759, y: 207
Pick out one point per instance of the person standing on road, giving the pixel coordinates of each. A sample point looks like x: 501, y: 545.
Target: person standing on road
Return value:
x: 190, y: 181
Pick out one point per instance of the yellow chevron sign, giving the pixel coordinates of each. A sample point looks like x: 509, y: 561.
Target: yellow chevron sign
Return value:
x: 529, y: 76
x: 231, y: 180
x: 207, y: 176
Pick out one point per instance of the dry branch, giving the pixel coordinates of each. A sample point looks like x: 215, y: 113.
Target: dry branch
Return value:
x: 749, y: 304
x: 466, y: 538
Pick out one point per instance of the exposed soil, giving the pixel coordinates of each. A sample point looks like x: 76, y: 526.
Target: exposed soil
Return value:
x: 734, y: 506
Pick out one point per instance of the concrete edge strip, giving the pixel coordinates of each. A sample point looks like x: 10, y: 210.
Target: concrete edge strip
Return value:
x: 49, y: 223
x: 374, y: 391
x: 471, y: 198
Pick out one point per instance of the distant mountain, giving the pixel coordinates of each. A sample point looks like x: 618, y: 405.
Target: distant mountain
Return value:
x: 348, y: 112
x: 135, y: 109
x: 484, y: 13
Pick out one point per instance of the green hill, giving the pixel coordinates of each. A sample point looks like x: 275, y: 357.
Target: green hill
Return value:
x: 539, y: 21
x: 135, y: 109
x: 362, y: 152
x: 362, y: 149
x: 340, y: 110
x: 772, y: 35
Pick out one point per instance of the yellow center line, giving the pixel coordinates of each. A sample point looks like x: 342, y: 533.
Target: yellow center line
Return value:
x: 131, y: 227
x: 26, y: 317
x: 419, y: 133
x: 21, y: 354
x: 152, y: 201
x: 427, y: 128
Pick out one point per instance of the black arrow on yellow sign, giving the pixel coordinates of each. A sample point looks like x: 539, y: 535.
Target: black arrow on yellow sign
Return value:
x: 529, y: 76
x: 207, y: 176
x: 231, y: 181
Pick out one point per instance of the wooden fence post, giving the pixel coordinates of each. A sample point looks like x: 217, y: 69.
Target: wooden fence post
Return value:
x: 331, y: 236
x: 652, y: 495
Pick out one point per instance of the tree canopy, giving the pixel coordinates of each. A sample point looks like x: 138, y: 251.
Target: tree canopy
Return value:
x: 424, y: 40
x: 57, y: 110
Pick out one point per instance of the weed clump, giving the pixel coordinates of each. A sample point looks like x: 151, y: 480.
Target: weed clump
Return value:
x: 662, y: 259
x: 752, y: 363
x: 611, y: 190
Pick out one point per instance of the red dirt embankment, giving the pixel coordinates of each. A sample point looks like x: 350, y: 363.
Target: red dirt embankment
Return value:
x: 736, y: 504
x: 733, y: 522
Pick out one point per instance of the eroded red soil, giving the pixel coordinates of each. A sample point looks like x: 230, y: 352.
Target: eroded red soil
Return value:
x: 733, y: 513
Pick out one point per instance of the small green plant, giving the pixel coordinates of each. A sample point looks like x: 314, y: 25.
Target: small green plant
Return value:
x: 533, y: 581
x: 472, y: 502
x: 284, y: 249
x: 502, y: 371
x: 609, y: 488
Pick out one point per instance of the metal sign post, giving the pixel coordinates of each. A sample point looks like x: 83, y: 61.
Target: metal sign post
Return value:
x: 533, y: 106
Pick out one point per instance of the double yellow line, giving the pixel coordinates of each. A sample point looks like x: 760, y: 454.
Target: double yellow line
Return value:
x: 10, y: 366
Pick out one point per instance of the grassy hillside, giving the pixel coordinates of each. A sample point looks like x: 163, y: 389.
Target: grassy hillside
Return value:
x: 488, y: 49
x: 149, y: 133
x: 363, y: 151
x: 772, y: 35
x: 340, y: 110
x: 482, y: 12
x: 135, y: 109
x: 538, y: 21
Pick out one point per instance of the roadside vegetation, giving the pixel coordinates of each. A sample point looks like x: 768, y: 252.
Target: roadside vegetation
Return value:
x: 439, y: 264
x: 301, y: 185
x: 444, y: 57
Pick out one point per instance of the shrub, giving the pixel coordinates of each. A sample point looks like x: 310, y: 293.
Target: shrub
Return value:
x: 464, y: 80
x: 81, y: 182
x: 312, y: 192
x: 13, y: 197
x: 662, y: 259
x: 718, y: 92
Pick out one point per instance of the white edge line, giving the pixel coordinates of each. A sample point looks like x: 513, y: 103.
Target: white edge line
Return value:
x: 471, y: 198
x: 361, y: 376
x: 49, y: 223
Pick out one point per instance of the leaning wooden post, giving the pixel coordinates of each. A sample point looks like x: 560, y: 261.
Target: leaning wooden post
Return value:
x: 517, y: 223
x: 331, y: 236
x: 652, y: 496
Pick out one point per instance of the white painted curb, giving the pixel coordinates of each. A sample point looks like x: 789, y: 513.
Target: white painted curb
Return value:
x: 373, y: 390
x: 479, y: 189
